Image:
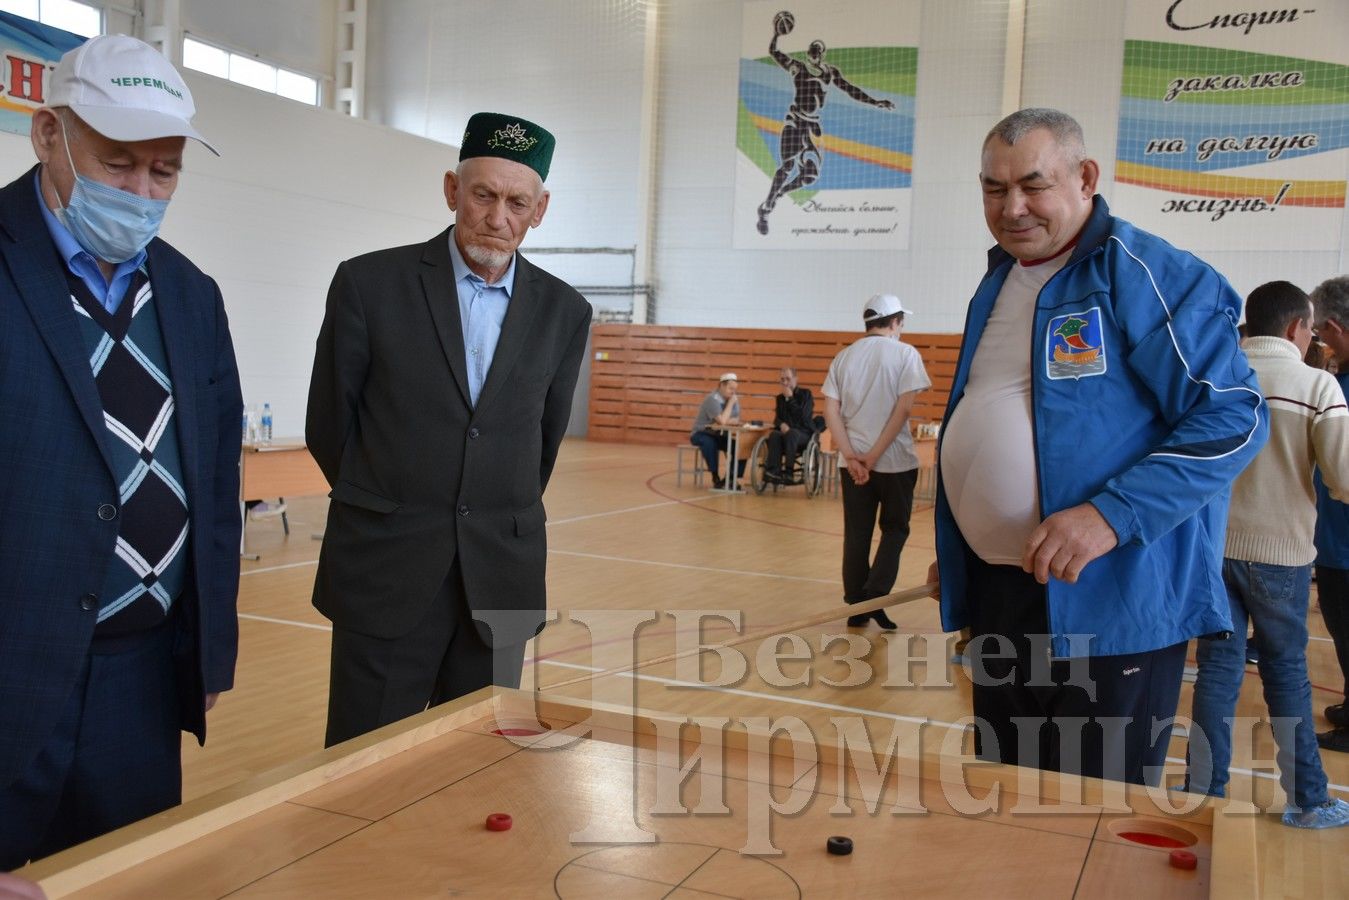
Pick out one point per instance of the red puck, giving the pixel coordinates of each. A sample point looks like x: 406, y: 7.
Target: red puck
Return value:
x: 499, y: 822
x: 1183, y: 859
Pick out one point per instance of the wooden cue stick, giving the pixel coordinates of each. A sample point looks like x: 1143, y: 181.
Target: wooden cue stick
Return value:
x: 852, y: 609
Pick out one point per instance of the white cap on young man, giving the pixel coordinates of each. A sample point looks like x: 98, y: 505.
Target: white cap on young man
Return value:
x: 727, y: 376
x: 125, y: 90
x: 882, y: 305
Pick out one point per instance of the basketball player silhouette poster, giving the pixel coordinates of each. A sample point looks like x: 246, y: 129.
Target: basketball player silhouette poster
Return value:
x: 825, y: 125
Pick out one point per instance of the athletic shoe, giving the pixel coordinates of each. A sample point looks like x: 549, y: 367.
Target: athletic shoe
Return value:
x: 1331, y: 814
x: 1337, y: 740
x: 266, y: 510
x: 1337, y: 716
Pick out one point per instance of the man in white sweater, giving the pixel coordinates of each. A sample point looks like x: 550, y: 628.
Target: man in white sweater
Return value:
x: 1267, y: 562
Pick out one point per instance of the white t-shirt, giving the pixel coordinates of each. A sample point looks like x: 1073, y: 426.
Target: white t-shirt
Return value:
x: 988, y: 446
x: 866, y: 378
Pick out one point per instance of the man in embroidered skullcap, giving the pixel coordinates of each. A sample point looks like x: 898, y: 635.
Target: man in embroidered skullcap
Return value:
x: 441, y: 390
x: 721, y: 407
x: 119, y: 462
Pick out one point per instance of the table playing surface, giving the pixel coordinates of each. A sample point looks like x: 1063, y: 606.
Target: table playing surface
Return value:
x: 625, y: 803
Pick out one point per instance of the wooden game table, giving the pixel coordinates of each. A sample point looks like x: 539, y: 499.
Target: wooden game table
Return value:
x: 598, y: 809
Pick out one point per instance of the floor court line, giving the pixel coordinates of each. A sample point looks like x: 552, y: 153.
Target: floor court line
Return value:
x: 328, y: 628
x: 619, y: 559
x: 671, y: 565
x: 919, y: 506
x: 294, y: 565
x: 257, y: 618
x: 619, y: 512
x: 566, y: 521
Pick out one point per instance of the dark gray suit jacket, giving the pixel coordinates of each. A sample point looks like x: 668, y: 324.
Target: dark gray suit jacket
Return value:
x: 419, y: 476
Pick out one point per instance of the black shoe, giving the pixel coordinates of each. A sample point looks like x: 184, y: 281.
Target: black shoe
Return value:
x: 718, y: 482
x: 772, y: 477
x: 1252, y: 655
x: 884, y: 621
x: 1337, y: 716
x: 1337, y: 740
x: 879, y: 617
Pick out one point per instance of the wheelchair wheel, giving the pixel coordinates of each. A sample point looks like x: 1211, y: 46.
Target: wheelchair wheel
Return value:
x: 758, y: 465
x: 812, y: 468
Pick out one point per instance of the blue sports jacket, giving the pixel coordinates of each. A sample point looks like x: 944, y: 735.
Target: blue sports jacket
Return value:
x: 1143, y: 404
x: 1332, y: 518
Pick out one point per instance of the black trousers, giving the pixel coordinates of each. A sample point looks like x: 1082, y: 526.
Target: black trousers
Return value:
x: 783, y: 448
x: 1100, y: 716
x: 890, y: 494
x: 114, y: 757
x: 376, y: 681
x: 1332, y: 594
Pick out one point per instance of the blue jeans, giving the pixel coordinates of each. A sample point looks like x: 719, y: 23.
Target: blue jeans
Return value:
x: 711, y: 443
x: 1274, y: 599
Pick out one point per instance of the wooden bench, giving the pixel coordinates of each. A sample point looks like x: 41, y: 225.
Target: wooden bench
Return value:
x: 646, y: 381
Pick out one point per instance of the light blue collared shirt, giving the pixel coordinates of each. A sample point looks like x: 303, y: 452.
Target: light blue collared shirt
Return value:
x: 482, y: 309
x: 81, y: 262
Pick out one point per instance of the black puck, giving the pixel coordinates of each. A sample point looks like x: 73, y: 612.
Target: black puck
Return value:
x: 839, y: 846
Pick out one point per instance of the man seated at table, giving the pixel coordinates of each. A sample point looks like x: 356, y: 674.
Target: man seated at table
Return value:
x: 721, y: 407
x: 792, y: 427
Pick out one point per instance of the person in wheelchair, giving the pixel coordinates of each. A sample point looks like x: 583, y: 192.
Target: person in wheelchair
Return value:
x: 793, y: 425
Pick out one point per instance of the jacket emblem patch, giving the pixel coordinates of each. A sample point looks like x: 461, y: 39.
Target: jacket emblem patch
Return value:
x: 1075, y: 345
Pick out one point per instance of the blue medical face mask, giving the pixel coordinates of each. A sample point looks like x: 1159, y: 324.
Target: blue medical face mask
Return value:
x: 112, y: 225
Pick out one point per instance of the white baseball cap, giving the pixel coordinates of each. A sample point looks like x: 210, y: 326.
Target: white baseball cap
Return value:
x: 125, y: 90
x: 882, y: 305
x: 727, y: 376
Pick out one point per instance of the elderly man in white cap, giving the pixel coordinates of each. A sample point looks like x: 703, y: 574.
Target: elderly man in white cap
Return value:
x: 868, y: 394
x: 118, y: 462
x: 721, y: 407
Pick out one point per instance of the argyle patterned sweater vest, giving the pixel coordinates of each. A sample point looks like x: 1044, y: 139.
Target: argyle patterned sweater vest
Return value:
x: 126, y: 353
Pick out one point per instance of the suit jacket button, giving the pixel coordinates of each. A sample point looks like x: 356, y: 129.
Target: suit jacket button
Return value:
x: 463, y: 509
x: 89, y: 602
x: 107, y: 512
x: 473, y: 432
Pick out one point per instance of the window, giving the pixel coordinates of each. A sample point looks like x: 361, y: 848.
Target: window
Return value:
x: 68, y: 15
x: 297, y: 87
x: 248, y: 70
x: 205, y: 58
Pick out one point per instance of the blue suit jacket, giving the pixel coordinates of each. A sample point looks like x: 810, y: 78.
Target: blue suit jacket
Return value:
x: 55, y: 473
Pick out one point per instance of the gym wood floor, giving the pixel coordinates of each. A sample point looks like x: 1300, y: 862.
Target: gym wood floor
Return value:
x: 624, y: 538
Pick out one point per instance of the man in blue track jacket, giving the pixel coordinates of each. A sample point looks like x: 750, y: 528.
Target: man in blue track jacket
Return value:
x: 1100, y: 410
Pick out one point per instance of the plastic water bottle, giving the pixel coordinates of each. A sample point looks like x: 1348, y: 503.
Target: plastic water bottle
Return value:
x: 266, y: 423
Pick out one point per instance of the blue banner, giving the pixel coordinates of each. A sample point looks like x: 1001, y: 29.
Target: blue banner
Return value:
x: 30, y: 51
